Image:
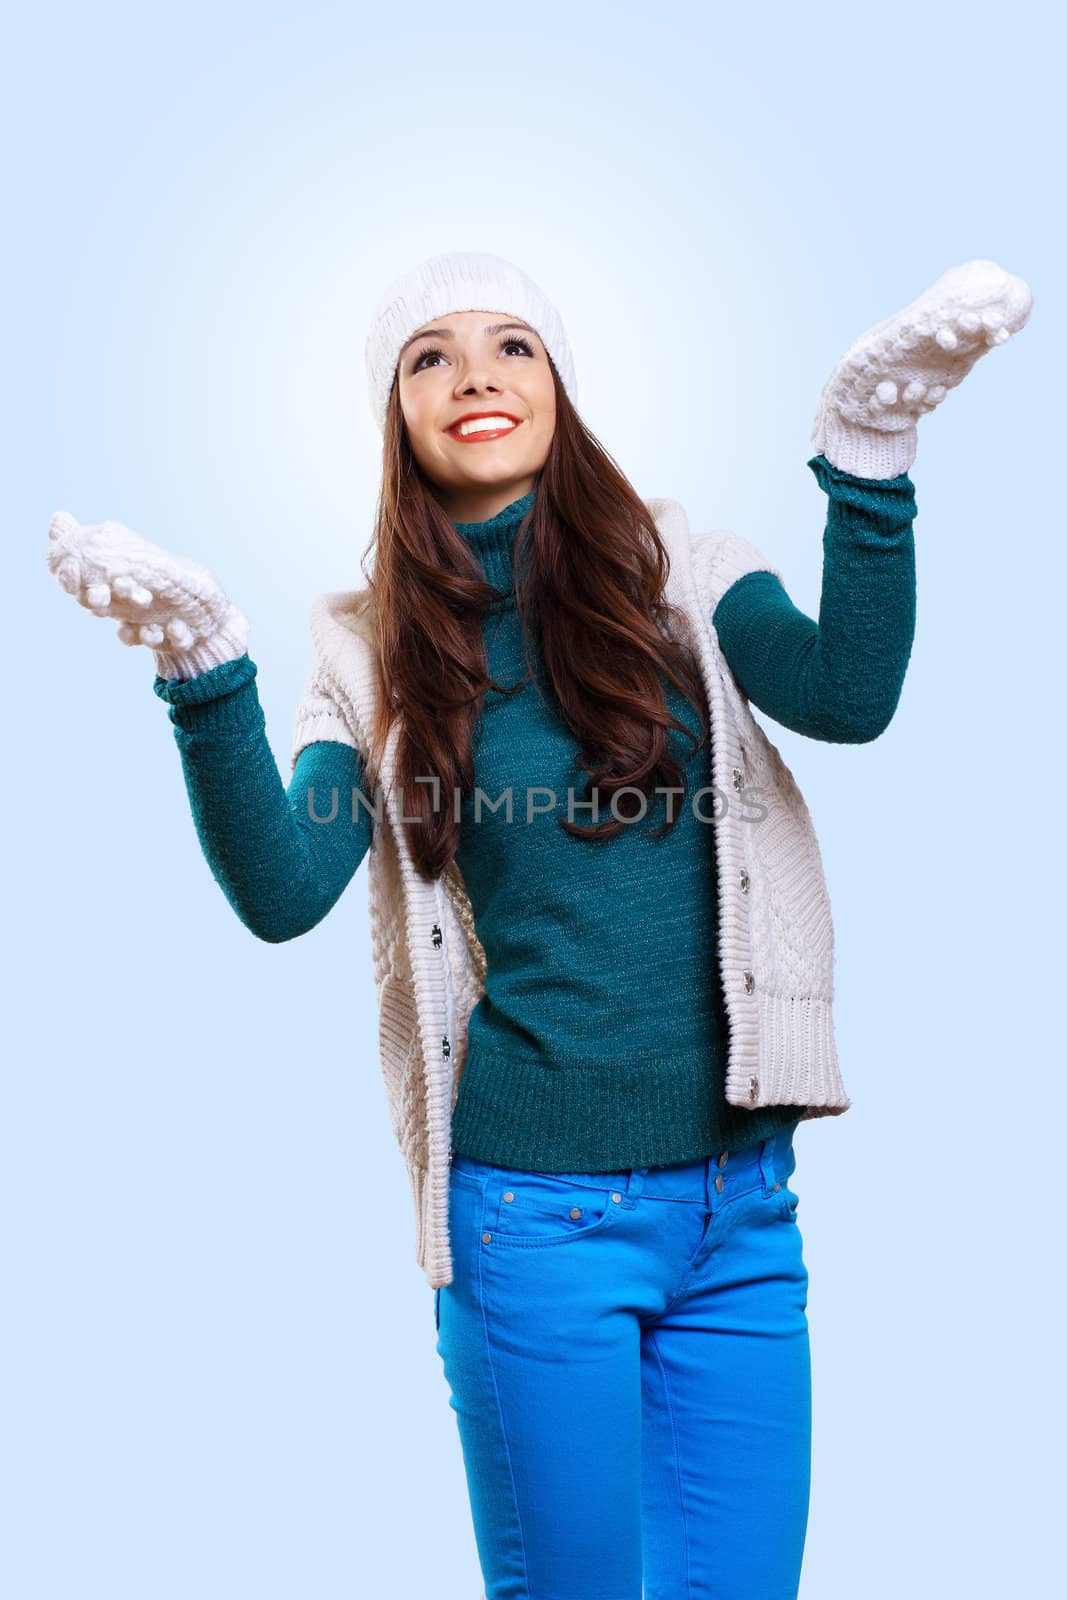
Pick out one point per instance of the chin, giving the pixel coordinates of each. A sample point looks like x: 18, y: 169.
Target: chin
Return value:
x: 491, y: 475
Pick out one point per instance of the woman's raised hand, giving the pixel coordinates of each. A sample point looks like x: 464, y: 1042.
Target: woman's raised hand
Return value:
x: 174, y: 606
x: 903, y: 367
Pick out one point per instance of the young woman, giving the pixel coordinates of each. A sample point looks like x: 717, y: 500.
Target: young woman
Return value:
x: 602, y: 937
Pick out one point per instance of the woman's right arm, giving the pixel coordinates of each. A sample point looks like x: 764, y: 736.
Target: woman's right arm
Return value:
x: 282, y: 857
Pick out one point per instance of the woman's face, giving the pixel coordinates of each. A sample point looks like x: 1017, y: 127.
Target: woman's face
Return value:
x: 489, y: 364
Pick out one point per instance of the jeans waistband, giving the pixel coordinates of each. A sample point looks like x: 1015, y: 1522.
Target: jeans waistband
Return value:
x: 708, y: 1181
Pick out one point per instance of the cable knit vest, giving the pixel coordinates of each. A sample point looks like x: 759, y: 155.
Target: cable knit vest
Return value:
x: 776, y: 942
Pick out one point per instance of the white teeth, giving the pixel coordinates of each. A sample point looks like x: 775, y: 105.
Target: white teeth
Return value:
x: 483, y: 425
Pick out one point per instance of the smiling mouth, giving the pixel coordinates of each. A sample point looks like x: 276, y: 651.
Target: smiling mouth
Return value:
x: 478, y: 430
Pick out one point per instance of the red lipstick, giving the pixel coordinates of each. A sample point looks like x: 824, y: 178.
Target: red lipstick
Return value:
x: 482, y: 433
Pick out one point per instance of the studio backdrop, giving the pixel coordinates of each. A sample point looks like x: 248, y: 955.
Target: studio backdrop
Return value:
x: 221, y: 1318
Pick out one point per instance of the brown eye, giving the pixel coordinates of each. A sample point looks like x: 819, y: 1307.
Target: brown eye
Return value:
x: 423, y: 355
x: 433, y: 351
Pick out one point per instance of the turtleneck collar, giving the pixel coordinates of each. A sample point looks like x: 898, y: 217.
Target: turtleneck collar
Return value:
x: 493, y: 541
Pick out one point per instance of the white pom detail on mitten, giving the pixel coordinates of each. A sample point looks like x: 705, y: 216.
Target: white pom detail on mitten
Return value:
x: 903, y: 367
x: 174, y: 606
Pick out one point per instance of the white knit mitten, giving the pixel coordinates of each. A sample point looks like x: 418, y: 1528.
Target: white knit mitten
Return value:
x: 173, y: 605
x: 903, y: 367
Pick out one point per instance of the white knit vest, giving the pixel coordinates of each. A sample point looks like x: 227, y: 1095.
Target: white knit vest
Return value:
x: 776, y: 942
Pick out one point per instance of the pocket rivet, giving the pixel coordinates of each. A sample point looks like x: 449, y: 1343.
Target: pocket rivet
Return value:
x: 777, y: 1187
x: 486, y: 1237
x: 509, y: 1195
x: 616, y: 1198
x: 576, y: 1211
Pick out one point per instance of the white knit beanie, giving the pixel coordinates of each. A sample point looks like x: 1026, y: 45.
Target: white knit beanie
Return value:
x: 458, y: 281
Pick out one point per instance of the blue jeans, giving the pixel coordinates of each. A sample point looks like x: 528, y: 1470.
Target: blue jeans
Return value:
x: 628, y: 1359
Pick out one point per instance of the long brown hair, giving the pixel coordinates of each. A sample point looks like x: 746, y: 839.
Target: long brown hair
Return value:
x: 589, y: 588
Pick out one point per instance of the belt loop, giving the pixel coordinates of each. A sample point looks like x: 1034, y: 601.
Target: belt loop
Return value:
x: 766, y: 1161
x: 635, y: 1182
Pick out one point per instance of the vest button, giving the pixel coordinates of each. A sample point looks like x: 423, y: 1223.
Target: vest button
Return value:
x: 739, y: 777
x: 744, y: 882
x: 724, y: 1158
x: 718, y: 1183
x: 753, y: 1088
x: 750, y: 983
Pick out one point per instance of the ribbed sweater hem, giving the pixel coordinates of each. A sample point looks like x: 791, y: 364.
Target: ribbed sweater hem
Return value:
x: 644, y: 1113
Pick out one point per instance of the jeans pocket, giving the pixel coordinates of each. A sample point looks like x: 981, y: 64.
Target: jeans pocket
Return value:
x: 532, y: 1209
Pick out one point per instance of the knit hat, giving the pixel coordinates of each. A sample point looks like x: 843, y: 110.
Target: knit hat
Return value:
x: 444, y: 284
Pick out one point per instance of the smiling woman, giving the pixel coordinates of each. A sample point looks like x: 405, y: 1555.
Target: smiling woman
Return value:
x: 653, y: 1016
x: 465, y: 385
x: 598, y: 1036
x: 583, y: 561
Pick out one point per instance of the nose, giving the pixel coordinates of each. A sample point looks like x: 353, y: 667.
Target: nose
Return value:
x: 476, y: 382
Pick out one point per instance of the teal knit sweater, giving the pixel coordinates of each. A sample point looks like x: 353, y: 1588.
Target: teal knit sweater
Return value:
x: 600, y: 1042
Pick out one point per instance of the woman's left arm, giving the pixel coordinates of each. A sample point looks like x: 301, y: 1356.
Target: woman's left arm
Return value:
x: 839, y: 678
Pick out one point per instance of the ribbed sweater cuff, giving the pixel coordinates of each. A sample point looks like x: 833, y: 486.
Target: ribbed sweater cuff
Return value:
x: 891, y: 498
x: 223, y: 679
x: 224, y: 697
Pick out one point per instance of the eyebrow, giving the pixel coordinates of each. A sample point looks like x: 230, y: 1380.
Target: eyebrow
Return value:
x: 447, y: 333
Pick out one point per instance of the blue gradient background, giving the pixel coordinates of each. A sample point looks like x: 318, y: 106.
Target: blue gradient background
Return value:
x: 219, y: 1368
